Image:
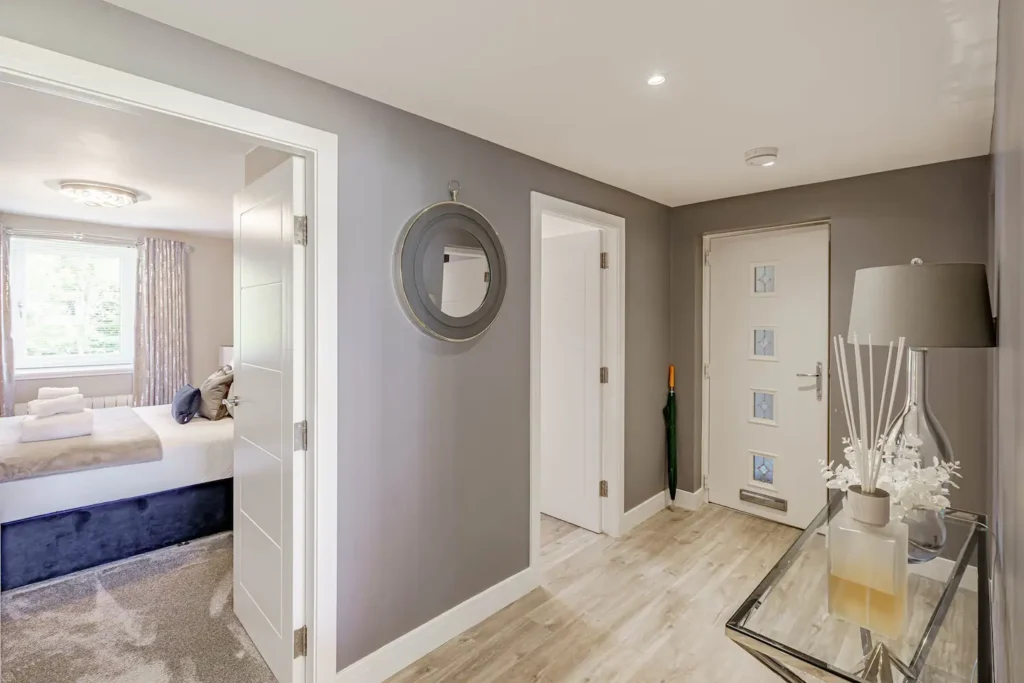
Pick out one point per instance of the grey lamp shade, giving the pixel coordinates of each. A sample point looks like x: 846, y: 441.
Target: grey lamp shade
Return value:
x: 933, y: 305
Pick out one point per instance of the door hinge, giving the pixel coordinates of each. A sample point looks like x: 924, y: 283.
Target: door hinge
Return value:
x: 487, y: 276
x: 707, y: 371
x: 603, y: 489
x: 301, y: 440
x: 301, y: 644
x: 704, y: 483
x: 301, y: 230
x: 604, y: 260
x: 604, y: 375
x: 707, y: 257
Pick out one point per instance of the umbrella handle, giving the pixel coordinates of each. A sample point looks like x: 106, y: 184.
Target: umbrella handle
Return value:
x: 672, y: 377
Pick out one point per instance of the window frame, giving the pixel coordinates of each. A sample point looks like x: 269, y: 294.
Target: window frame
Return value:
x: 21, y: 247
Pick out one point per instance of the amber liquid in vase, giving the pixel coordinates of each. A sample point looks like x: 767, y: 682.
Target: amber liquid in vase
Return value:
x: 867, y: 581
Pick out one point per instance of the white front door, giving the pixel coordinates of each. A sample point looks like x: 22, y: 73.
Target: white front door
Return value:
x: 570, y: 364
x: 269, y: 372
x: 769, y: 329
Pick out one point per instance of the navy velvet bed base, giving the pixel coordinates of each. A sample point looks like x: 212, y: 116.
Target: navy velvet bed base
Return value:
x: 54, y: 545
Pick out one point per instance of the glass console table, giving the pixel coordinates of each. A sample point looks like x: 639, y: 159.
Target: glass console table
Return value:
x: 786, y: 626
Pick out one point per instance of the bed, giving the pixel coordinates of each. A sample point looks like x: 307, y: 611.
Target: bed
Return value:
x: 56, y: 524
x: 195, y: 453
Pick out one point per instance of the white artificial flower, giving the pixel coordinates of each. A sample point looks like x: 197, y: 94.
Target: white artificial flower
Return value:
x: 901, y: 475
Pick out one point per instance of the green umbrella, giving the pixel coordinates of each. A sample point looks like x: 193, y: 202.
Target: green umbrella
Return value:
x: 669, y: 413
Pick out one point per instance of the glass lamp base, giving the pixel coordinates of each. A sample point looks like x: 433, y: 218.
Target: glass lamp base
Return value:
x: 927, y: 535
x: 917, y: 424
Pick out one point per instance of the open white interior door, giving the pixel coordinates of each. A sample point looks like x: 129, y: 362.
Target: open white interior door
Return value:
x: 570, y: 378
x: 269, y: 374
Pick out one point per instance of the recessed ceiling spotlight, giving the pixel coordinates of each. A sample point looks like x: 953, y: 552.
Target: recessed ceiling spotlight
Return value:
x: 656, y: 79
x: 762, y: 156
x: 98, y: 194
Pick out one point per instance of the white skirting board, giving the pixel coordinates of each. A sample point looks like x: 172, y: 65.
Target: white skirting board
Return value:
x: 691, y: 500
x: 400, y: 653
x: 644, y: 511
x: 686, y: 500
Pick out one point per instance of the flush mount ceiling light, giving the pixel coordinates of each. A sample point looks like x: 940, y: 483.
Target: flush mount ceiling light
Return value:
x: 656, y: 79
x: 762, y: 156
x: 98, y: 194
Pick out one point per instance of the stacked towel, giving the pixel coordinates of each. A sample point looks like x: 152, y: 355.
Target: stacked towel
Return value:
x: 56, y: 392
x: 44, y: 407
x: 61, y: 426
x: 56, y: 414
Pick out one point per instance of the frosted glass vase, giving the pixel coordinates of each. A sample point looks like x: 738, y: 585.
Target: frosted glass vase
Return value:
x: 867, y: 564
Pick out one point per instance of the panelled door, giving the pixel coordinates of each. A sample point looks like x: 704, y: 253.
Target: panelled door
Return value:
x: 768, y: 360
x: 269, y: 374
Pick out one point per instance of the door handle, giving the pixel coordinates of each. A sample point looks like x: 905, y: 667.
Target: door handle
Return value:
x: 818, y: 375
x: 233, y: 401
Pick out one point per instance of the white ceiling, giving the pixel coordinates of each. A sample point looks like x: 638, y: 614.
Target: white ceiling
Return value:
x: 187, y: 171
x: 843, y: 87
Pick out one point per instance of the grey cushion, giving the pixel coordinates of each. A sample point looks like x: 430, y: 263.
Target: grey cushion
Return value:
x: 185, y: 404
x: 214, y: 390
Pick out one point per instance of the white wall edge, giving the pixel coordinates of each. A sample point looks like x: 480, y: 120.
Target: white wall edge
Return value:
x: 645, y: 510
x: 691, y: 500
x: 403, y: 651
x: 940, y: 568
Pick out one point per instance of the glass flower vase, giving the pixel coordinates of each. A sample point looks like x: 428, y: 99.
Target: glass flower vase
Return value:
x: 867, y: 564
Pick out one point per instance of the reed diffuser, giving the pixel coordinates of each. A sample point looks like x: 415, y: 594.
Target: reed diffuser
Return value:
x: 867, y: 550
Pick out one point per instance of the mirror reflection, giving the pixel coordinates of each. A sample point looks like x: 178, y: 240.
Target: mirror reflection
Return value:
x: 456, y: 272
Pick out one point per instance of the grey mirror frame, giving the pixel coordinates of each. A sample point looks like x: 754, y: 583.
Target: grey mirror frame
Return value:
x: 410, y: 283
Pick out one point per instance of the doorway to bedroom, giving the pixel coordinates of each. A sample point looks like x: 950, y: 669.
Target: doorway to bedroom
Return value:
x: 155, y: 426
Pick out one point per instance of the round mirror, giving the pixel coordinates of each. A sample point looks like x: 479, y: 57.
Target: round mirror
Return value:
x: 456, y: 272
x: 450, y: 271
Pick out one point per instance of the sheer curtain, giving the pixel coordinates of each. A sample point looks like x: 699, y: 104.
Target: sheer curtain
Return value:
x: 6, y: 341
x: 161, y: 335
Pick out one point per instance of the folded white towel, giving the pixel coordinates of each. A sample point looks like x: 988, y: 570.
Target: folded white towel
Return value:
x: 35, y: 428
x: 56, y: 392
x: 43, y: 407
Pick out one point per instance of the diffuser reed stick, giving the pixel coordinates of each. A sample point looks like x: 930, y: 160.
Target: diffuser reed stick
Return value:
x: 864, y: 424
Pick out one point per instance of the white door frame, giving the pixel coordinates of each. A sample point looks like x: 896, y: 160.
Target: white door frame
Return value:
x: 613, y: 298
x: 321, y: 151
x: 705, y: 326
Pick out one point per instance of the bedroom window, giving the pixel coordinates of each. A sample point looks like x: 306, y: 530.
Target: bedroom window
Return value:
x: 73, y: 304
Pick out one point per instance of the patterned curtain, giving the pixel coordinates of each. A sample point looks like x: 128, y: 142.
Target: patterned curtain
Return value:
x: 6, y: 341
x: 161, y: 335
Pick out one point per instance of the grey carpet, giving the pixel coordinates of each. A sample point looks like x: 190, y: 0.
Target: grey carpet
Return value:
x: 164, y: 617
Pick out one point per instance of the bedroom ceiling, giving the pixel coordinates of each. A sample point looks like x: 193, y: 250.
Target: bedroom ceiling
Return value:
x: 843, y: 88
x: 188, y: 172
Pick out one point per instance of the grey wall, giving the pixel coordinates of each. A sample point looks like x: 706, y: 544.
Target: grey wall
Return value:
x: 1007, y: 482
x: 938, y: 213
x: 209, y: 303
x: 434, y: 438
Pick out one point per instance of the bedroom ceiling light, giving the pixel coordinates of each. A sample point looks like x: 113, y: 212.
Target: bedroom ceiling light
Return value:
x: 762, y: 156
x: 98, y: 194
x: 656, y: 79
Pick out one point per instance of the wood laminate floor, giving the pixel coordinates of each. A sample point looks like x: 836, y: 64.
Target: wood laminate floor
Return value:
x: 649, y: 607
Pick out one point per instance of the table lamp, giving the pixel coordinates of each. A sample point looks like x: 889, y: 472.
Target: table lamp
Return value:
x: 932, y: 305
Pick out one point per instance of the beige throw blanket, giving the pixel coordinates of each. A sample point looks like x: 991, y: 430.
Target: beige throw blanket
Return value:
x: 119, y: 437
